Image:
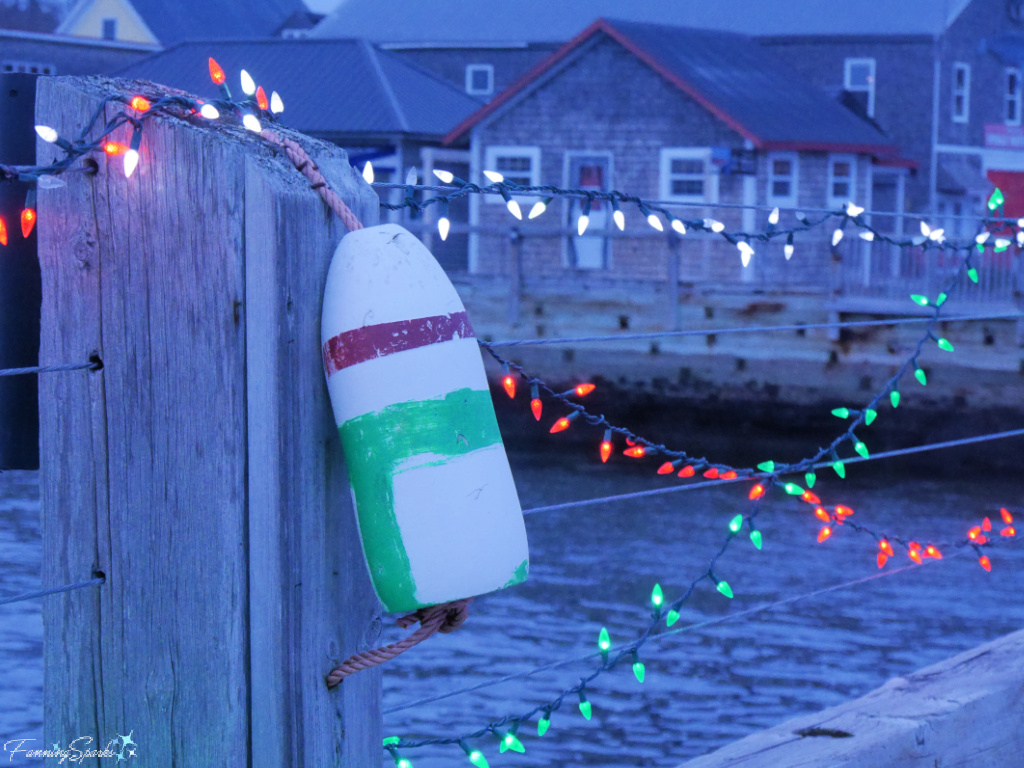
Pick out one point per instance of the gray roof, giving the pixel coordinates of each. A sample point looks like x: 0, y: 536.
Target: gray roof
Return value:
x: 737, y: 79
x: 329, y: 87
x: 468, y: 22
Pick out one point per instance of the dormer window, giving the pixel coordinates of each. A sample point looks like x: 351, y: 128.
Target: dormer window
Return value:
x: 859, y: 80
x: 110, y: 29
x: 480, y: 79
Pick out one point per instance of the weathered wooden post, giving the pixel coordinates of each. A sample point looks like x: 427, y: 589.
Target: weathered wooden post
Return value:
x: 200, y: 469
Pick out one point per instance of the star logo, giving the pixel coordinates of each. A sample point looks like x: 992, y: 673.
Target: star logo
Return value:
x: 127, y: 746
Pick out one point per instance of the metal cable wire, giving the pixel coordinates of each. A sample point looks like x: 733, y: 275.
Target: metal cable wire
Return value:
x: 49, y: 369
x: 748, y: 478
x: 741, y: 329
x: 53, y: 590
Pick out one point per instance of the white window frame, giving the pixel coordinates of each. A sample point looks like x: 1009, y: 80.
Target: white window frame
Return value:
x: 472, y: 69
x: 964, y: 92
x: 665, y: 176
x: 839, y: 202
x: 1015, y: 97
x: 790, y: 200
x: 491, y: 155
x: 848, y: 65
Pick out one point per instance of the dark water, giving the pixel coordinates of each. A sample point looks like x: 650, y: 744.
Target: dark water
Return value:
x: 595, y: 566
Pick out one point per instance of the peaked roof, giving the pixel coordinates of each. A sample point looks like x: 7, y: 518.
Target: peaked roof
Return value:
x: 368, y: 92
x: 732, y: 76
x: 28, y: 16
x: 476, y: 22
x: 175, y: 21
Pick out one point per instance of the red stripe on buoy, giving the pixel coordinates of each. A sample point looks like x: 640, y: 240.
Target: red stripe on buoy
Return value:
x: 370, y: 341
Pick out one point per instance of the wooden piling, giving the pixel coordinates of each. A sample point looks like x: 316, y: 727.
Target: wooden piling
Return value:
x: 200, y: 469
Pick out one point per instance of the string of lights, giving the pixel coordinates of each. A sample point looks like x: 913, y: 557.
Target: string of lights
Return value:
x: 742, y: 329
x: 250, y: 112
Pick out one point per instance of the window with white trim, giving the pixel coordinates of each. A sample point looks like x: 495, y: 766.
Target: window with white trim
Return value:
x: 686, y: 175
x: 110, y: 29
x: 783, y: 178
x: 1011, y: 96
x: 480, y: 79
x: 518, y: 164
x: 31, y: 67
x: 842, y: 181
x: 961, y: 92
x: 859, y: 79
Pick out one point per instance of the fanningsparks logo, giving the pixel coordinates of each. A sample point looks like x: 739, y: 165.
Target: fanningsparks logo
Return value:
x: 122, y: 748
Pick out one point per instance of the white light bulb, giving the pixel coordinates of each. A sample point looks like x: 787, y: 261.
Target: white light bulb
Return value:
x: 513, y: 208
x: 983, y: 237
x: 209, y: 111
x: 248, y: 86
x: 131, y: 161
x: 250, y: 122
x: 853, y: 210
x: 745, y: 252
x: 655, y: 222
x: 1020, y: 222
x: 276, y: 105
x: 620, y: 220
x: 368, y: 172
x: 443, y: 226
x: 46, y: 133
x: 869, y: 236
x: 717, y: 226
x: 678, y: 226
x: 1020, y: 238
x: 581, y: 224
x: 788, y: 250
x: 50, y: 182
x: 1002, y: 243
x: 538, y: 208
x: 836, y: 237
x: 773, y: 217
x: 937, y: 235
x: 494, y: 176
x: 411, y: 177
x: 446, y: 176
x: 925, y: 230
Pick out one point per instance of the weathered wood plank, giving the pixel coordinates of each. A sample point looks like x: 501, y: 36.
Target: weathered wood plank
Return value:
x: 965, y: 712
x: 200, y: 469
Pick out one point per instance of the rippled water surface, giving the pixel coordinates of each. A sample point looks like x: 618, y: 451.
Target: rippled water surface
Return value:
x: 595, y: 566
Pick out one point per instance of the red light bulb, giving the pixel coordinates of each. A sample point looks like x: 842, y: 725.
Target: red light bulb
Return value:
x: 824, y: 533
x: 666, y: 469
x: 139, y: 103
x: 810, y: 498
x: 636, y: 452
x: 584, y: 389
x: 261, y: 98
x: 882, y: 559
x: 509, y: 382
x: 687, y: 471
x: 933, y: 552
x: 28, y: 220
x: 886, y: 547
x: 3, y: 231
x: 606, y: 451
x: 915, y: 555
x: 974, y: 533
x: 1007, y: 517
x: 822, y: 514
x: 560, y: 425
x: 711, y: 473
x: 756, y: 492
x: 730, y: 475
x: 113, y: 148
x: 843, y: 511
x: 216, y: 73
x: 537, y: 407
x: 986, y: 524
x: 1008, y: 531
x: 985, y: 563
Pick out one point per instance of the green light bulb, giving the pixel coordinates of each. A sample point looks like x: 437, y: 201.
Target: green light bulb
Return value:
x: 920, y: 300
x: 585, y: 707
x: 725, y: 589
x: 870, y: 415
x: 941, y: 300
x: 671, y: 618
x: 736, y: 523
x: 511, y: 741
x: 996, y: 199
x: 638, y: 668
x: 543, y: 724
x: 793, y: 489
x: 657, y: 597
x: 476, y: 757
x: 755, y: 536
x: 842, y: 413
x: 604, y: 640
x: 973, y: 273
x: 894, y: 398
x: 860, y: 448
x: 840, y: 468
x: 766, y: 466
x: 1001, y: 245
x: 945, y: 345
x: 919, y: 375
x: 810, y: 477
x: 391, y: 740
x: 403, y: 763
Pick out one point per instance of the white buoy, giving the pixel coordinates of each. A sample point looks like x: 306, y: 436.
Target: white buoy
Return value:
x: 439, y: 515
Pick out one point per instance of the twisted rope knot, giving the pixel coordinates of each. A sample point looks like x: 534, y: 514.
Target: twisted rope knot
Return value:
x: 444, y: 618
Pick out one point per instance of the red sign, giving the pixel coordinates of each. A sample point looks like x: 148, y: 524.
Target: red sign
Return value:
x: 1004, y: 136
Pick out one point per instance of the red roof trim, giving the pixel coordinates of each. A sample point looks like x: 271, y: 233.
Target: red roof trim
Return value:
x: 897, y: 162
x: 824, y: 146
